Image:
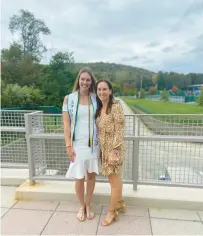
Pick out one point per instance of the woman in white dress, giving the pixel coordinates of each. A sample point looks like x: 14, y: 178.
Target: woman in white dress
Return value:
x: 81, y: 139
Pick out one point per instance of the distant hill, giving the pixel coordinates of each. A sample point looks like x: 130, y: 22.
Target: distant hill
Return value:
x: 110, y: 67
x: 118, y: 72
x: 121, y: 74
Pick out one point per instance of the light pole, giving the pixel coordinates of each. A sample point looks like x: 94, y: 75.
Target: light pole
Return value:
x: 141, y: 84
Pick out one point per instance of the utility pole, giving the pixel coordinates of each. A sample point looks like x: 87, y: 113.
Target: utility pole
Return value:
x: 141, y: 84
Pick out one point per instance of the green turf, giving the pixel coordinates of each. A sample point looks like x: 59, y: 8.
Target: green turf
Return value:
x: 161, y: 107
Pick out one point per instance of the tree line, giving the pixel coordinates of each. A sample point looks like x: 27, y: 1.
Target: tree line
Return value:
x: 28, y: 82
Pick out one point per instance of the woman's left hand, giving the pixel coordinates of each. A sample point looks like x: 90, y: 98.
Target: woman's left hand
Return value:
x: 113, y: 157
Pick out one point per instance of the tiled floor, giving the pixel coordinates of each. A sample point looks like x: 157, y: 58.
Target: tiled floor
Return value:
x: 58, y: 218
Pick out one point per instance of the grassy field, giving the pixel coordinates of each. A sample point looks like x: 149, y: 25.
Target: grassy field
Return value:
x: 9, y: 137
x: 53, y: 123
x: 161, y: 107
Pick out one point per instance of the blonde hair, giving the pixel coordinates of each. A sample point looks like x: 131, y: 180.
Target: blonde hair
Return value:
x: 93, y: 79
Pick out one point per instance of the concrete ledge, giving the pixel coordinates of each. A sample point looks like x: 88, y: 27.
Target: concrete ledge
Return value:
x: 148, y: 196
x: 13, y: 177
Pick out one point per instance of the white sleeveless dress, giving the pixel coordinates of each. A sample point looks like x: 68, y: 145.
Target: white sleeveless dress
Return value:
x: 85, y: 160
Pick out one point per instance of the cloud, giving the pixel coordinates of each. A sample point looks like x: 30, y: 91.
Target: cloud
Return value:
x: 148, y: 61
x: 152, y: 44
x: 115, y: 5
x: 168, y: 49
x: 189, y: 16
x: 140, y: 33
x: 133, y: 58
x: 197, y: 46
x: 200, y: 37
x: 196, y: 51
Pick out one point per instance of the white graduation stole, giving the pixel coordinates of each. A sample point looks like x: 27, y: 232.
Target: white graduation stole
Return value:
x: 73, y: 103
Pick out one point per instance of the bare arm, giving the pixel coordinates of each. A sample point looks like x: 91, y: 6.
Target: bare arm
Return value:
x: 66, y: 123
x: 67, y: 131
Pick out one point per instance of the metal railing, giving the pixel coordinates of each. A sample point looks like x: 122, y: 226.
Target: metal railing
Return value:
x: 160, y: 149
x: 13, y: 141
x: 180, y: 99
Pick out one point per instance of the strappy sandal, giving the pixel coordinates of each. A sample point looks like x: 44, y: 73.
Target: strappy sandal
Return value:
x: 122, y: 206
x: 82, y: 216
x: 106, y: 222
x: 89, y: 214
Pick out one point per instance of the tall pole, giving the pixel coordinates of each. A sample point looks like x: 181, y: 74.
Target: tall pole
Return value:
x: 141, y: 84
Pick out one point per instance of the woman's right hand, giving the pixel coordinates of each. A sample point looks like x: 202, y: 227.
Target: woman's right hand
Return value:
x: 71, y: 153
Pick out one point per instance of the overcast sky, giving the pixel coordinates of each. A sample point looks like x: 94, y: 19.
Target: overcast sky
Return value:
x: 152, y: 34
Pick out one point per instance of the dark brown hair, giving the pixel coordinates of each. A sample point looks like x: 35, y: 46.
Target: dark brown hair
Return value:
x: 111, y: 98
x: 93, y: 79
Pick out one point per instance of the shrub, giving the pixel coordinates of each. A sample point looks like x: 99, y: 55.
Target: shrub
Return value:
x: 175, y: 89
x: 164, y: 95
x: 152, y: 90
x: 200, y: 98
x: 142, y: 94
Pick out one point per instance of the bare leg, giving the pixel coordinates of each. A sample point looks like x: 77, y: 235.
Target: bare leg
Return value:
x: 116, y: 195
x: 79, y: 189
x: 89, y: 191
x: 116, y: 190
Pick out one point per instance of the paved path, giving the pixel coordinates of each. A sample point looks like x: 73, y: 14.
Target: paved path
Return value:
x: 59, y: 218
x: 183, y: 161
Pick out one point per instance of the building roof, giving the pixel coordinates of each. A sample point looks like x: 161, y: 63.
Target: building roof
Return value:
x: 195, y: 85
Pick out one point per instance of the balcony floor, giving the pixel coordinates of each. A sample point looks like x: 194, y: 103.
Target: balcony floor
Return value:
x: 58, y: 218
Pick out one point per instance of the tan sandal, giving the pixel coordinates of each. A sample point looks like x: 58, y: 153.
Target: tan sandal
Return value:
x: 89, y: 214
x: 122, y: 206
x: 106, y: 222
x: 81, y: 214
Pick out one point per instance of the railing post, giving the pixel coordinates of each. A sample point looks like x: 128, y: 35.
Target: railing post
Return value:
x: 135, y: 168
x: 31, y: 162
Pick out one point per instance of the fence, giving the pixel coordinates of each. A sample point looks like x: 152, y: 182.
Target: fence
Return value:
x: 169, y: 154
x: 187, y: 125
x: 44, y: 109
x: 180, y: 99
x: 13, y: 141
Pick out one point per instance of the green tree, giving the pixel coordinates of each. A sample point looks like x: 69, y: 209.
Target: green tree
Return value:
x: 15, y: 95
x: 62, y: 60
x: 164, y: 95
x: 30, y: 30
x: 116, y: 89
x: 200, y: 98
x: 58, y: 78
x: 161, y: 80
x: 17, y: 68
x: 196, y: 78
x: 142, y: 94
x: 10, y: 59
